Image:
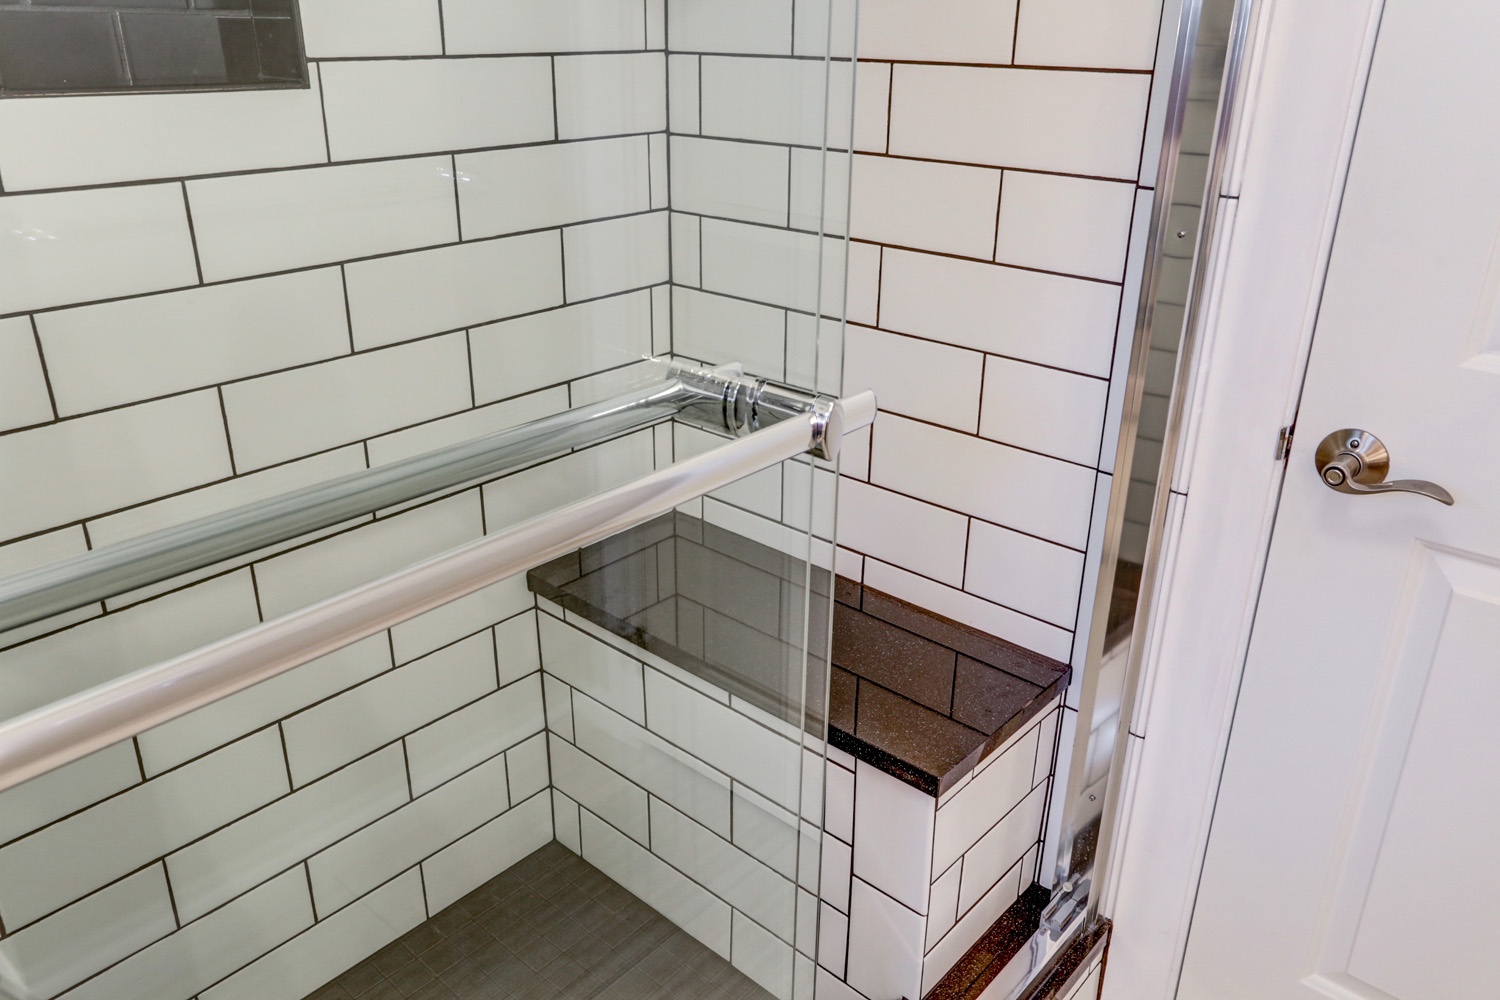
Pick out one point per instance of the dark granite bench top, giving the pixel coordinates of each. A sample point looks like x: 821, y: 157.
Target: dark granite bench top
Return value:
x: 917, y: 695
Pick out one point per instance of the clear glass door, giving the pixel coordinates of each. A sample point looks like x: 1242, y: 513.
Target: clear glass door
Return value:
x: 269, y: 336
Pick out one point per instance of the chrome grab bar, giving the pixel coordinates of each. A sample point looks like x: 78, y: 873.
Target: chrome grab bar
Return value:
x: 721, y: 399
x: 74, y: 727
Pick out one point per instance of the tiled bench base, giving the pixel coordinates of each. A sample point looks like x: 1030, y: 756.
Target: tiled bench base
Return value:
x: 552, y: 927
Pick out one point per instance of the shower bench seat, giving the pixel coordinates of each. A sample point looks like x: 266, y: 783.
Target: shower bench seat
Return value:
x: 941, y: 742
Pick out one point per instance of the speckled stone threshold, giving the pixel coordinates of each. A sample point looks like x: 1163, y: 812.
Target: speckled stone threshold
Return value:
x: 921, y: 697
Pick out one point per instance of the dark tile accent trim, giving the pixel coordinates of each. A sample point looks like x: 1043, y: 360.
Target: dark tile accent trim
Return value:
x: 990, y: 954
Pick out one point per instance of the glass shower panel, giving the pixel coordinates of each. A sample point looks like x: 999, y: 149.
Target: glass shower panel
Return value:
x: 258, y: 349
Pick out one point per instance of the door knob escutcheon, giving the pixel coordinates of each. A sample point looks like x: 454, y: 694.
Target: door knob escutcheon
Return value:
x: 1356, y: 461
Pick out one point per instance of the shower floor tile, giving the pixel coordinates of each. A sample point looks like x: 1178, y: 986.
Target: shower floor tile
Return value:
x: 552, y: 927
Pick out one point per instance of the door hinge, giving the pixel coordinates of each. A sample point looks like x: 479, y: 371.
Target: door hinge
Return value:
x: 1284, y: 442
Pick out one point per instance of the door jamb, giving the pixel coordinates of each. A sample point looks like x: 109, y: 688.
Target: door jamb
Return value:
x: 1280, y: 199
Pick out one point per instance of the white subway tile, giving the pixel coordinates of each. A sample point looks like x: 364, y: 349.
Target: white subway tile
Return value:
x: 603, y: 258
x: 1089, y: 33
x: 409, y: 295
x: 1024, y: 573
x: 92, y: 934
x: 717, y: 329
x: 998, y: 851
x: 524, y: 354
x: 979, y: 805
x: 758, y: 954
x: 929, y: 206
x: 468, y: 863
x: 656, y: 24
x: 659, y: 174
x: 669, y: 892
x: 819, y: 190
x: 401, y: 106
x: 872, y: 102
x: 943, y: 905
x: 918, y: 378
x: 277, y: 221
x: 1042, y: 409
x: 517, y: 648
x: 330, y: 946
x: 958, y: 31
x: 839, y: 795
x: 359, y: 863
x: 605, y: 674
x: 682, y: 94
x: 300, y: 577
x: 1049, y: 319
x: 1049, y: 640
x: 728, y: 26
x: 101, y: 650
x: 474, y: 734
x: 600, y: 790
x: 214, y: 724
x: 500, y: 602
x: 1069, y: 122
x: 775, y: 266
x: 565, y: 821
x: 334, y: 28
x: 931, y: 540
x: 283, y: 416
x: 67, y: 789
x: 766, y: 831
x: 651, y: 762
x: 814, y: 20
x: 735, y: 180
x: 833, y: 944
x: 209, y: 949
x: 731, y: 874
x: 87, y: 850
x: 1068, y: 224
x: 687, y: 257
x: 582, y: 474
x: 768, y: 100
x: 1018, y: 489
x: 946, y: 953
x: 345, y: 728
x: 529, y: 768
x: 119, y: 352
x: 611, y: 94
x: 69, y: 470
x: 893, y: 825
x: 72, y: 141
x: 1046, y: 747
x: 558, y: 26
x: 534, y: 187
x: 240, y: 856
x: 77, y: 246
x: 724, y: 739
x: 23, y: 386
x: 885, y: 945
x: 559, y: 702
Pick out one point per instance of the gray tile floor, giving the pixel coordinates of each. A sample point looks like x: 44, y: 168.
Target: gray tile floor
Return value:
x: 552, y: 927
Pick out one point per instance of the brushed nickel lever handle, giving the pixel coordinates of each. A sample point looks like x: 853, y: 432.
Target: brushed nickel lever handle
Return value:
x: 1356, y: 461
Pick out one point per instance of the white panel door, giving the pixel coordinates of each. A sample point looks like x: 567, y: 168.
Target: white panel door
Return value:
x: 1355, y: 847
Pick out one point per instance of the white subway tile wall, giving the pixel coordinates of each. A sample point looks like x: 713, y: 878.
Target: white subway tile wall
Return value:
x: 208, y: 299
x: 1002, y: 175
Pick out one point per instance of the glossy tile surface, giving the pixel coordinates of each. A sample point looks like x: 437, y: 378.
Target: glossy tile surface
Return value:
x: 552, y: 927
x: 918, y: 696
